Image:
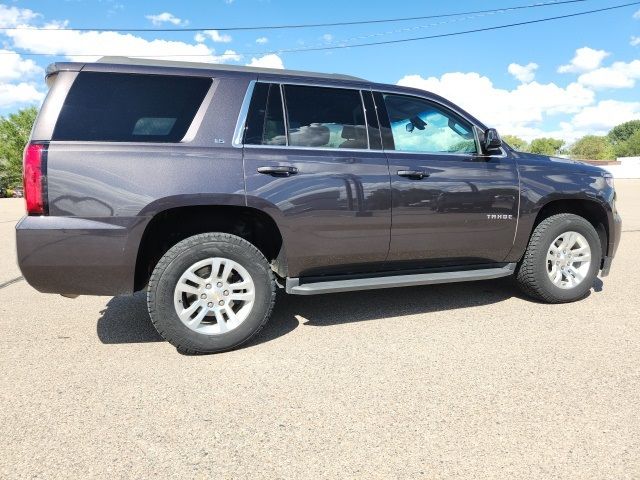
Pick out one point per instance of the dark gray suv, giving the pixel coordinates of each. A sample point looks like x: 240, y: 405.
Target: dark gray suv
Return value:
x: 211, y: 186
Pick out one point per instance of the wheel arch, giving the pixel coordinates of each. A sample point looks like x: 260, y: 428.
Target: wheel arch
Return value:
x: 170, y: 225
x: 592, y: 210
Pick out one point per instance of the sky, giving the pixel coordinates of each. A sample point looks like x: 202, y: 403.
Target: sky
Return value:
x: 563, y: 78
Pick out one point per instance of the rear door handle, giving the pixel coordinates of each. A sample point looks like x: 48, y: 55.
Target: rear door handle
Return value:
x: 413, y: 174
x: 278, y: 170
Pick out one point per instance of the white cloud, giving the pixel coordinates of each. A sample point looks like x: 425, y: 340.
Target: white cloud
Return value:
x: 13, y: 16
x: 199, y: 37
x: 229, y: 56
x: 637, y: 15
x: 618, y: 75
x: 523, y: 73
x: 262, y: 40
x: 14, y: 67
x: 606, y: 115
x: 89, y: 46
x: 327, y: 37
x: 515, y: 111
x: 217, y: 37
x: 635, y: 41
x: 270, y: 60
x: 19, y: 94
x: 585, y: 59
x: 166, y: 17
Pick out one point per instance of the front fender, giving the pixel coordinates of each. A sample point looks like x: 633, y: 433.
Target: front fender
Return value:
x: 544, y: 184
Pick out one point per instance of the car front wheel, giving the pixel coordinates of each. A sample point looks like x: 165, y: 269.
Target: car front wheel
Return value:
x: 562, y: 259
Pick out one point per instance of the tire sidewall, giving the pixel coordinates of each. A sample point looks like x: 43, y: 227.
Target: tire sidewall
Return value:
x: 167, y: 320
x: 576, y: 224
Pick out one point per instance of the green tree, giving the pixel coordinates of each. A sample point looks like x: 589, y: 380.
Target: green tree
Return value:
x: 14, y: 135
x: 623, y: 132
x: 546, y: 146
x: 592, y: 147
x: 516, y: 143
x: 630, y: 147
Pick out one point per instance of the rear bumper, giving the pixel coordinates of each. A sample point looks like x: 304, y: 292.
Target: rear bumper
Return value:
x: 76, y: 256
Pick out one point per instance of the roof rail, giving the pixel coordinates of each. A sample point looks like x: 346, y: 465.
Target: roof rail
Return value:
x: 214, y: 67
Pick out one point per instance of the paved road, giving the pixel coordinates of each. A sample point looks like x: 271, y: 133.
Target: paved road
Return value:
x: 450, y: 381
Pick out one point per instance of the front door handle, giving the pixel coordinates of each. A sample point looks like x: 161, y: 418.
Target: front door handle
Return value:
x: 278, y: 170
x: 413, y: 174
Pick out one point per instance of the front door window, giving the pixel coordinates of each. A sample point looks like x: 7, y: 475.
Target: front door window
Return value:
x: 420, y: 126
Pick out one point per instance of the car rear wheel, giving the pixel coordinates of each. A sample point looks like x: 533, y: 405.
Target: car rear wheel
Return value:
x: 562, y: 259
x: 211, y: 292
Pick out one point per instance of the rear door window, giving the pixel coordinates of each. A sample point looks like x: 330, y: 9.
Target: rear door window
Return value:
x: 265, y: 119
x: 117, y: 107
x: 325, y: 117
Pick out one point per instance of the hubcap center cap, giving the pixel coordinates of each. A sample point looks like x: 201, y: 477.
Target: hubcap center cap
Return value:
x: 568, y: 260
x: 214, y: 295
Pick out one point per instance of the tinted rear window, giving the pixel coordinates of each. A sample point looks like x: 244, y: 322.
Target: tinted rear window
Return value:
x: 325, y: 117
x: 130, y: 108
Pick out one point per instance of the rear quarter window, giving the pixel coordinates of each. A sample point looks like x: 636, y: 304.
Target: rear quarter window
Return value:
x: 117, y: 107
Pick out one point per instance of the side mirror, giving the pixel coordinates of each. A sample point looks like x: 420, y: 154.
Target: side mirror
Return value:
x: 492, y: 140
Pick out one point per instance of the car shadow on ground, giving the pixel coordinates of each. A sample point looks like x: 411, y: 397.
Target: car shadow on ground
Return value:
x: 125, y: 319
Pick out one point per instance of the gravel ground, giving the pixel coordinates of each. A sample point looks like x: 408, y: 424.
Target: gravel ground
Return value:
x: 450, y: 381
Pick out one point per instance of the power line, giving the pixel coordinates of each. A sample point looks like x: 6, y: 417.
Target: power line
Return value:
x: 408, y: 29
x: 335, y: 47
x: 464, y: 32
x: 294, y: 26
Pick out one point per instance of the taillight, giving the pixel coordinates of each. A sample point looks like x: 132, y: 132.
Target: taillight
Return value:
x: 34, y: 178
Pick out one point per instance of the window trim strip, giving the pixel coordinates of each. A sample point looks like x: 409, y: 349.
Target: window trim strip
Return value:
x: 364, y: 150
x: 241, y: 123
x: 285, y: 116
x: 242, y: 118
x: 364, y: 115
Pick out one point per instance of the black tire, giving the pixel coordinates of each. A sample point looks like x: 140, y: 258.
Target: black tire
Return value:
x: 532, y: 275
x: 160, y: 294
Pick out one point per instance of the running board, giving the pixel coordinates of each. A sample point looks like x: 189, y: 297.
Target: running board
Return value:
x: 333, y: 286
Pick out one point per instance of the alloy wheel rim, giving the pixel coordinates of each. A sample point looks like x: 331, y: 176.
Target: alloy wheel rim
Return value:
x: 214, y: 296
x: 568, y: 260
